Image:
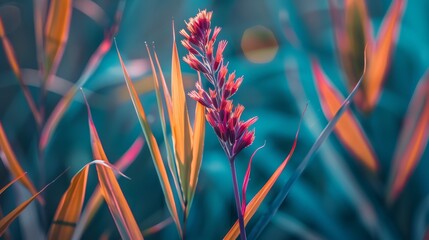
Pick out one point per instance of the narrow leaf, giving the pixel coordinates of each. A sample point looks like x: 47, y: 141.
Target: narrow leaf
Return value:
x: 381, y: 53
x: 13, y: 62
x: 413, y: 139
x: 11, y: 162
x: 256, y: 201
x: 348, y: 128
x: 181, y: 127
x: 9, y: 218
x: 56, y: 34
x: 91, y: 66
x: 70, y: 207
x: 96, y: 198
x: 10, y: 183
x: 197, y: 153
x: 115, y: 199
x: 153, y: 146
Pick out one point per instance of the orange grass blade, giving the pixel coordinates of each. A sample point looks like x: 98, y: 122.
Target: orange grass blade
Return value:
x: 10, y: 183
x: 56, y: 34
x: 13, y: 62
x: 91, y: 66
x: 181, y: 126
x: 256, y: 201
x: 70, y: 207
x: 413, y: 139
x: 13, y: 165
x: 197, y: 153
x: 153, y: 146
x: 381, y: 53
x: 348, y: 128
x: 170, y: 159
x: 9, y: 218
x: 96, y: 198
x: 115, y: 199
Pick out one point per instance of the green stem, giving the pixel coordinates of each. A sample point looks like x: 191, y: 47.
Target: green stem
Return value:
x: 237, y: 200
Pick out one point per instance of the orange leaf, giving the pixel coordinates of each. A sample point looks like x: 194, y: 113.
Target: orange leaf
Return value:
x: 70, y: 207
x: 10, y: 183
x: 13, y: 165
x: 381, y: 53
x: 348, y: 128
x: 413, y: 138
x: 96, y: 198
x: 56, y: 33
x: 153, y: 146
x: 118, y: 206
x: 256, y: 201
x: 13, y: 62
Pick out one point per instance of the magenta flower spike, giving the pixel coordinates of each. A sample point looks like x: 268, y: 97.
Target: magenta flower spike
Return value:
x: 233, y: 133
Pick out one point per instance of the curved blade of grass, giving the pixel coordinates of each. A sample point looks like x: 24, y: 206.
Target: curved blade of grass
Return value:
x: 70, y: 207
x: 281, y: 196
x: 197, y: 154
x: 9, y: 218
x: 381, y: 53
x: 10, y: 183
x: 39, y: 20
x: 256, y: 201
x: 181, y: 126
x: 170, y: 158
x: 412, y: 140
x: 153, y: 146
x: 13, y: 62
x: 157, y: 227
x: 348, y: 128
x: 56, y: 34
x: 91, y: 66
x: 13, y: 165
x: 115, y: 199
x: 96, y: 198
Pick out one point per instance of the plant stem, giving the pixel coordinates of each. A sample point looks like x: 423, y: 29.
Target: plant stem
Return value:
x: 237, y: 200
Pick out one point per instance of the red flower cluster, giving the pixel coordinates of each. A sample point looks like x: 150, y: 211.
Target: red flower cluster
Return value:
x: 233, y: 134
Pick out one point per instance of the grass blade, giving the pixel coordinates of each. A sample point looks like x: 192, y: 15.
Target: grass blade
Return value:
x: 10, y: 183
x: 381, y: 52
x: 11, y: 162
x: 91, y: 66
x: 13, y: 62
x: 153, y: 146
x: 413, y: 138
x: 118, y: 206
x: 348, y: 128
x: 9, y: 218
x: 281, y: 196
x: 181, y: 126
x: 56, y: 34
x: 96, y: 198
x: 256, y: 201
x: 70, y: 207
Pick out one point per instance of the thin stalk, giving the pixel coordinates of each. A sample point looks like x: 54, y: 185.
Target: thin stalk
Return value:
x: 237, y: 200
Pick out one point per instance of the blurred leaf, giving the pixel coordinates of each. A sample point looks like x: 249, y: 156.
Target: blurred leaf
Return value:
x: 153, y: 147
x: 412, y: 140
x: 13, y: 165
x: 91, y: 66
x: 256, y: 201
x: 348, y: 128
x: 56, y: 34
x: 11, y: 182
x: 9, y: 218
x: 157, y: 227
x: 381, y: 52
x: 118, y: 206
x: 70, y: 207
x: 13, y: 62
x: 96, y: 198
x: 281, y: 196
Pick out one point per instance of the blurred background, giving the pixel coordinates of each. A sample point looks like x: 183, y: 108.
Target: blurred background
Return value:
x: 271, y: 43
